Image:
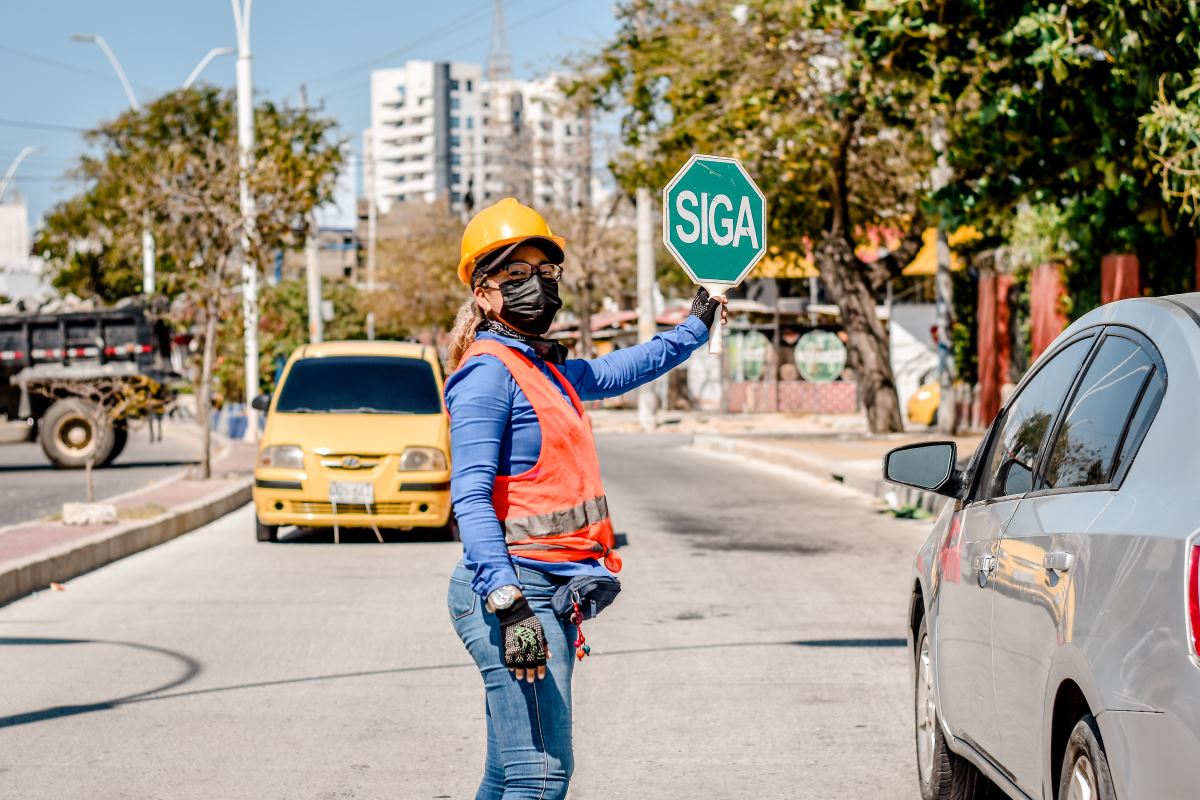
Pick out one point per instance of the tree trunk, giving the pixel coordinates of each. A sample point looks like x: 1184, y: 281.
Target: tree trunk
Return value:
x: 204, y: 413
x: 868, y: 346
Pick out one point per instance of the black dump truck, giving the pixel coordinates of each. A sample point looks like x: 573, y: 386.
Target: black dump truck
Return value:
x: 76, y: 379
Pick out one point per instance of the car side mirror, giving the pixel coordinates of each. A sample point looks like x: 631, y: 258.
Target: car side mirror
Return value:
x: 261, y: 403
x: 929, y: 466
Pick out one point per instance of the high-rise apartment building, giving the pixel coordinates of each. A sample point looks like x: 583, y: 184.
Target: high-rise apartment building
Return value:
x: 423, y: 141
x: 439, y: 130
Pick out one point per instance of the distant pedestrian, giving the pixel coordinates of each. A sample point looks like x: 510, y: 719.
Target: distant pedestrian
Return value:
x: 537, y: 539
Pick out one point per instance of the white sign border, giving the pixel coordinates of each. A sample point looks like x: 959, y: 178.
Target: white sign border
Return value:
x: 762, y: 251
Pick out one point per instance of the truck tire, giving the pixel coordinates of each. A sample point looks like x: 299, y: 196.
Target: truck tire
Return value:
x: 120, y: 439
x: 73, y: 429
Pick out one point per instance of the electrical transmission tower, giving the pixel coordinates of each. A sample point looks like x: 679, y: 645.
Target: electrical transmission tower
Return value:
x: 499, y: 59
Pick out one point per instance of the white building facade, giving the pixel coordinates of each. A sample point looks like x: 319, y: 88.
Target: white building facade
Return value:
x: 20, y: 272
x: 423, y: 141
x: 438, y: 130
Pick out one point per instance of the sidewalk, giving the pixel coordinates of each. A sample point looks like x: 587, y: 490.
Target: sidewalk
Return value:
x: 34, y: 554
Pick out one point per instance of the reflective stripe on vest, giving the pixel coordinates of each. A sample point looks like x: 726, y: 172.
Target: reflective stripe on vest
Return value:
x: 566, y: 521
x: 557, y: 509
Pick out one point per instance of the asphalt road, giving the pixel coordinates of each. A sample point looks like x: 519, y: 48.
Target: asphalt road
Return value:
x: 757, y: 651
x: 30, y: 486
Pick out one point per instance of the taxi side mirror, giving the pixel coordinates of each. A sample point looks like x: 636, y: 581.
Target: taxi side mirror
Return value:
x: 929, y: 466
x: 261, y: 403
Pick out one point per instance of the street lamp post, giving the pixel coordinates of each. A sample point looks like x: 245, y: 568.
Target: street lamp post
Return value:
x: 149, y: 257
x: 216, y: 51
x: 148, y: 249
x: 12, y: 170
x: 245, y: 123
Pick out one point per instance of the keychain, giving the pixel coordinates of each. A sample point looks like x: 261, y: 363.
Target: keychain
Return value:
x: 581, y: 646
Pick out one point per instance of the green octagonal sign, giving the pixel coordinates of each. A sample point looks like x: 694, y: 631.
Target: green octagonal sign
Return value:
x: 714, y: 221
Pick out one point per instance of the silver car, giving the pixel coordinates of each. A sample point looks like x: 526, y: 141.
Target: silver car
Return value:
x: 1055, y: 613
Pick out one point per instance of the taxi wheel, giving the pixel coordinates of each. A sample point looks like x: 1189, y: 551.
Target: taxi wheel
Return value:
x: 1085, y: 772
x: 265, y: 533
x: 452, y: 529
x: 942, y: 773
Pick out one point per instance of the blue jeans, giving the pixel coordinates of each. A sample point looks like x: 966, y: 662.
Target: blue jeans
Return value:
x: 529, y: 753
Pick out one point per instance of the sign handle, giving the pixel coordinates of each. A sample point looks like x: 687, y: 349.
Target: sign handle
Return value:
x: 716, y: 336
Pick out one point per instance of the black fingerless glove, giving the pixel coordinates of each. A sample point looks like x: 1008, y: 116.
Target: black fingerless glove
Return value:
x: 705, y: 307
x: 521, y: 636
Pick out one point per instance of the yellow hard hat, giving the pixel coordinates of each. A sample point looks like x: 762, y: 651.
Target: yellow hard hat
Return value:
x: 505, y: 223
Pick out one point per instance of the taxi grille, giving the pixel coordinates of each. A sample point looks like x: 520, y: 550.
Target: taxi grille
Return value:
x: 355, y: 508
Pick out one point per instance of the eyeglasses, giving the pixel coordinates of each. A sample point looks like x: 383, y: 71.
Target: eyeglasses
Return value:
x: 518, y: 271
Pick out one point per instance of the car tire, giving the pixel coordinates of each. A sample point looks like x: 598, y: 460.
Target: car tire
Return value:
x: 941, y: 773
x: 452, y: 529
x: 1085, y: 771
x: 73, y: 430
x: 264, y: 532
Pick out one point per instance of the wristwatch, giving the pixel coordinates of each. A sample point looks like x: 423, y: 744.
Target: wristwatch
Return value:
x: 504, y: 597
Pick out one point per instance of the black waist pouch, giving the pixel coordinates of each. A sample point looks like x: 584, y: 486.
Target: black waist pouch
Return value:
x: 594, y: 593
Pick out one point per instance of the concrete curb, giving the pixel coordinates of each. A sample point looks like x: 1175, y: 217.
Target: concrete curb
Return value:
x: 20, y: 578
x: 873, y: 487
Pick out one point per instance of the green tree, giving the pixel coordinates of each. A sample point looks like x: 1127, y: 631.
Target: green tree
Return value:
x: 784, y: 87
x: 174, y: 166
x: 1082, y: 104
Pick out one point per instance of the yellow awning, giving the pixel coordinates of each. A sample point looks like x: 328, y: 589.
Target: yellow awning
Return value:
x: 925, y: 262
x: 777, y: 264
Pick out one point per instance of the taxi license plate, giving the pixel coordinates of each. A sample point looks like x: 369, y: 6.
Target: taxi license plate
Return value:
x: 351, y: 493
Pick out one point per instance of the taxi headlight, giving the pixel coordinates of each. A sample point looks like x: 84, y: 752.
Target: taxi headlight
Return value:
x: 281, y: 455
x: 418, y: 458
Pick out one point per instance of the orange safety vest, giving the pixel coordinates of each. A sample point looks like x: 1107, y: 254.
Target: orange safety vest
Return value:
x: 556, y: 510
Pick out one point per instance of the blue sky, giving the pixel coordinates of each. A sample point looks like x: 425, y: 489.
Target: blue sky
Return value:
x: 330, y: 47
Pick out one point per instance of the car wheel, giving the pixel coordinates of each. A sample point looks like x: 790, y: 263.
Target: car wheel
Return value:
x: 265, y: 533
x: 1085, y: 772
x: 942, y: 773
x: 452, y: 529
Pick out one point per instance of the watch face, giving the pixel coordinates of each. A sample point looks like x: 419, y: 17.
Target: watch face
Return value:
x: 503, y: 597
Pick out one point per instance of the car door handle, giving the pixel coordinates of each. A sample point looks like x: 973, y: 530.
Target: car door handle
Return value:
x: 984, y: 564
x: 1058, y: 560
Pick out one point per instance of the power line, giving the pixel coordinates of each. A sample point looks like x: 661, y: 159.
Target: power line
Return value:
x: 435, y: 34
x: 360, y: 84
x: 39, y: 126
x: 107, y: 77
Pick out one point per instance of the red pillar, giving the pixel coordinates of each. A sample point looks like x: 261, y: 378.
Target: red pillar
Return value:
x: 1120, y: 277
x: 989, y: 386
x: 1046, y: 293
x: 1003, y: 327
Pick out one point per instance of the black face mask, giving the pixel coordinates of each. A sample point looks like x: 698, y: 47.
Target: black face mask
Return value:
x: 531, y: 304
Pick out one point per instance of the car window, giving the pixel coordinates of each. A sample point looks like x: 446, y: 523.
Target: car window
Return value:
x: 360, y: 384
x: 1085, y: 448
x: 1028, y: 420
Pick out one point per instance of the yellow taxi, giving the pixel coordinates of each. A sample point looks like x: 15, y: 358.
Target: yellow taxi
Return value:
x: 356, y: 435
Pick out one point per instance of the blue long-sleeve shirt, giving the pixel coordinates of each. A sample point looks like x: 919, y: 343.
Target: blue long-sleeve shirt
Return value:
x: 494, y: 431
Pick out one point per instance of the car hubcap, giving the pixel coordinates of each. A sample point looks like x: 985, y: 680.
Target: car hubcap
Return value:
x: 1083, y: 781
x: 926, y: 713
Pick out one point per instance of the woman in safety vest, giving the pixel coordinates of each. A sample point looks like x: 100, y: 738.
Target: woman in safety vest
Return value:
x: 526, y: 487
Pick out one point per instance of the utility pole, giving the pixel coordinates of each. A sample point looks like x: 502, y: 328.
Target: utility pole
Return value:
x: 585, y: 286
x: 647, y: 326
x: 943, y: 291
x: 245, y: 123
x: 312, y: 262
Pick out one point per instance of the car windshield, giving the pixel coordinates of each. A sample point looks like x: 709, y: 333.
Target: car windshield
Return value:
x: 360, y: 385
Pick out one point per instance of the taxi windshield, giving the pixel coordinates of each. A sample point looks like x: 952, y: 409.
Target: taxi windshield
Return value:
x: 360, y: 385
